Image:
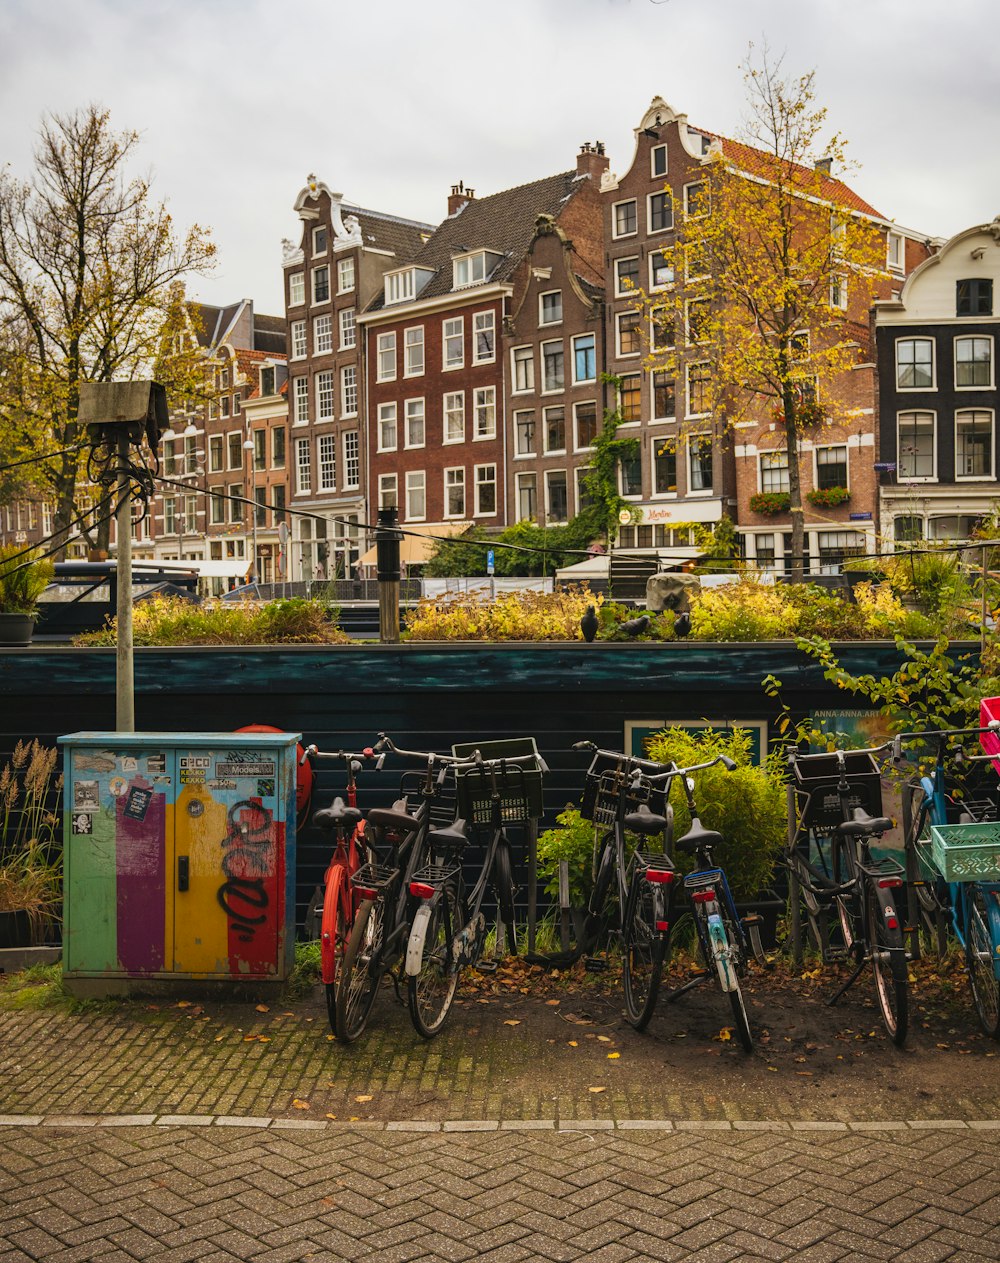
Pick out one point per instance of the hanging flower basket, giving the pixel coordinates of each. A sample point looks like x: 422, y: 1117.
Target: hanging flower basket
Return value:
x: 770, y: 502
x: 828, y: 497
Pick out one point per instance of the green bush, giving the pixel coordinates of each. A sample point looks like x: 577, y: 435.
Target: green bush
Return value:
x: 174, y: 621
x: 573, y: 841
x: 747, y: 806
x: 23, y: 578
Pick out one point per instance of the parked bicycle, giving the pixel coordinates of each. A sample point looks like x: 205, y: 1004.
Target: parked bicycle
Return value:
x: 850, y: 897
x: 449, y: 929
x: 350, y: 852
x: 402, y: 842
x: 955, y: 866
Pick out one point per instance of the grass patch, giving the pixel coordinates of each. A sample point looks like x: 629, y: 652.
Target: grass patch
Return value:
x: 40, y: 987
x: 306, y: 970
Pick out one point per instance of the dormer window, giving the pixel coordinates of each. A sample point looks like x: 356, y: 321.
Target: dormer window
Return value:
x: 403, y: 286
x: 473, y: 269
x: 267, y: 381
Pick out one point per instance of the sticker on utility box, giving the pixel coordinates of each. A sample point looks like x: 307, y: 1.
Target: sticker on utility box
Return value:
x: 265, y: 768
x: 201, y: 762
x: 137, y: 803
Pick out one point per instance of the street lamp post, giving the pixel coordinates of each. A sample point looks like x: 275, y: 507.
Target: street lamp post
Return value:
x: 248, y: 447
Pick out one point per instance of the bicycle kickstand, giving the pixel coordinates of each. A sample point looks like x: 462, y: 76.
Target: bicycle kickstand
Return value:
x: 751, y: 924
x: 848, y: 984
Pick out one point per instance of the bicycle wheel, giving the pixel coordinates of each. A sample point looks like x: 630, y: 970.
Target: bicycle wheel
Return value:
x: 430, y: 992
x: 738, y: 967
x: 503, y: 884
x: 889, y: 962
x: 979, y: 958
x: 643, y: 950
x: 334, y: 930
x: 360, y: 972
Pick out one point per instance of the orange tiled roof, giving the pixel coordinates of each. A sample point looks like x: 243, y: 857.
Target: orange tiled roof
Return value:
x: 757, y: 162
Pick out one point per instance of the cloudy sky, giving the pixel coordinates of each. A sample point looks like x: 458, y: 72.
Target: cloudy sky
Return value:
x: 392, y: 101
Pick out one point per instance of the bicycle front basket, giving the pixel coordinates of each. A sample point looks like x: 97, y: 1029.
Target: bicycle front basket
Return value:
x: 966, y: 852
x: 518, y: 784
x: 817, y: 775
x: 608, y: 778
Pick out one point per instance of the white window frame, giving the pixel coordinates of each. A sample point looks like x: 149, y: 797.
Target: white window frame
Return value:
x: 838, y: 292
x: 653, y: 151
x: 401, y: 286
x: 695, y: 184
x: 622, y: 291
x: 895, y: 252
x: 414, y: 410
x: 216, y: 454
x: 297, y: 340
x: 585, y: 403
x: 931, y: 424
x: 323, y: 334
x: 654, y: 329
x: 450, y: 472
x: 549, y: 473
x: 664, y: 193
x: 320, y: 228
x: 974, y: 337
x: 583, y: 381
x: 349, y: 391
x: 484, y: 404
x: 346, y: 279
x: 416, y: 484
x: 654, y: 284
x: 988, y: 476
x: 296, y: 289
x: 689, y: 304
x: 522, y: 481
x: 385, y: 356
x: 775, y: 460
x: 326, y: 463
x: 556, y: 320
x: 523, y: 382
x: 231, y: 446
x: 553, y: 451
x: 324, y: 386
x: 933, y: 382
x: 700, y: 438
x: 300, y: 400
x: 457, y: 324
x: 483, y: 323
x: 351, y: 452
x: 452, y: 406
x: 324, y: 267
x: 832, y: 447
x: 388, y: 491
x: 687, y: 387
x: 635, y: 318
x: 561, y: 386
x: 532, y: 450
x: 348, y: 328
x: 413, y: 342
x: 303, y: 467
x: 656, y: 443
x: 387, y: 415
x: 478, y: 483
x: 618, y: 236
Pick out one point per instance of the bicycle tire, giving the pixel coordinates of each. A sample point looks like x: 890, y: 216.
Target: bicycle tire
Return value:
x: 741, y: 1018
x: 503, y: 883
x: 360, y: 972
x: 979, y: 952
x: 643, y: 950
x: 335, y: 928
x: 430, y: 993
x: 891, y: 976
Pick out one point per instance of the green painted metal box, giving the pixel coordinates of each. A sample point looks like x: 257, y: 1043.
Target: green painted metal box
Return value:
x: 179, y: 856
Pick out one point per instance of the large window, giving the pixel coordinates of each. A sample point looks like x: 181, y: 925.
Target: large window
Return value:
x: 387, y: 427
x: 660, y: 272
x: 321, y: 284
x: 486, y: 490
x: 215, y: 454
x: 527, y: 497
x: 698, y: 311
x: 664, y: 395
x: 696, y: 198
x: 414, y: 350
x: 298, y: 332
x: 300, y: 401
x: 296, y: 289
x: 236, y: 500
x: 831, y: 467
x: 345, y: 276
x: 626, y: 277
x: 416, y: 495
x: 260, y: 449
x: 303, y: 466
x: 974, y: 297
x: 352, y: 461
x: 386, y: 357
x: 524, y: 433
x: 324, y: 395
x: 630, y: 397
x: 974, y: 443
x: 415, y: 423
x: 664, y: 467
x: 584, y: 359
x: 914, y: 364
x: 553, y: 366
x: 700, y: 462
x: 523, y: 358
x: 974, y: 362
x: 630, y: 475
x: 915, y: 445
x: 585, y: 415
x: 348, y: 329
x: 835, y: 546
x: 774, y: 471
x: 624, y: 222
x: 483, y: 337
x: 485, y: 412
x: 661, y: 329
x: 550, y: 307
x: 555, y: 429
x: 699, y: 380
x: 327, y: 462
x: 629, y: 341
x: 556, y: 499
x: 278, y: 447
x: 349, y: 391
x: 454, y: 417
x: 453, y: 337
x: 235, y: 444
x: 454, y: 492
x: 388, y: 493
x: 323, y: 334
x: 661, y: 212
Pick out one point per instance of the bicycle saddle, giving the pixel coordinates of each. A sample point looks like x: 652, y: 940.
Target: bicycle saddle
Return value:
x: 449, y: 837
x: 338, y: 813
x: 642, y: 820
x: 395, y: 817
x: 863, y: 824
x: 698, y: 836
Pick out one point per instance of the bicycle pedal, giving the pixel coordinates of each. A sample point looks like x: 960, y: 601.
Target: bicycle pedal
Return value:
x: 595, y: 965
x: 752, y: 918
x: 486, y: 966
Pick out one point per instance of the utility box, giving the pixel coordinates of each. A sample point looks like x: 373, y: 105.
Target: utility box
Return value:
x: 179, y: 861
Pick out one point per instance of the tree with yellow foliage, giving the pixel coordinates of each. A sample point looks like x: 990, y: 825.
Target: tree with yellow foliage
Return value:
x: 775, y: 265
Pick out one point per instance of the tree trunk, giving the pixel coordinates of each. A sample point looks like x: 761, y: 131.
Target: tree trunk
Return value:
x: 794, y: 491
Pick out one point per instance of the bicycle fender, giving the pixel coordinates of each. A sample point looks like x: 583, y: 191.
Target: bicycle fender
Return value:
x: 415, y: 943
x: 991, y: 890
x: 720, y: 950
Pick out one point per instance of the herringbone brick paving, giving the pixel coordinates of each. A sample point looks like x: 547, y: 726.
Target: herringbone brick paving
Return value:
x: 177, y: 1194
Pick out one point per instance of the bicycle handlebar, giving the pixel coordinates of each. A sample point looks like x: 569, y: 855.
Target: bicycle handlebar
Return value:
x: 527, y: 762
x: 348, y: 756
x: 662, y: 777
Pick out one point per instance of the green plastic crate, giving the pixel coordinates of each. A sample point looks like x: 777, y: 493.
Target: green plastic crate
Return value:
x: 520, y: 787
x: 966, y: 852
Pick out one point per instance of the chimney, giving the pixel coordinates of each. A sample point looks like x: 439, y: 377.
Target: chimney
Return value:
x: 824, y: 165
x: 592, y: 160
x: 458, y: 197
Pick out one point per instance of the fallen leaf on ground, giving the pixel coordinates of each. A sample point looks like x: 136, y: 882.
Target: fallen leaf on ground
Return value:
x: 300, y: 1105
x: 512, y: 1021
x: 331, y: 1116
x: 597, y: 1089
x: 613, y: 1056
x: 573, y: 1043
x: 551, y: 1002
x: 361, y: 1099
x: 262, y: 1008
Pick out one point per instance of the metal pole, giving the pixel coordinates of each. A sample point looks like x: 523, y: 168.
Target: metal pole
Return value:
x: 124, y: 677
x: 794, y: 894
x: 982, y: 629
x: 387, y: 540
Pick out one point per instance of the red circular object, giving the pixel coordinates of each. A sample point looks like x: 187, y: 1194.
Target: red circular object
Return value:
x: 303, y: 769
